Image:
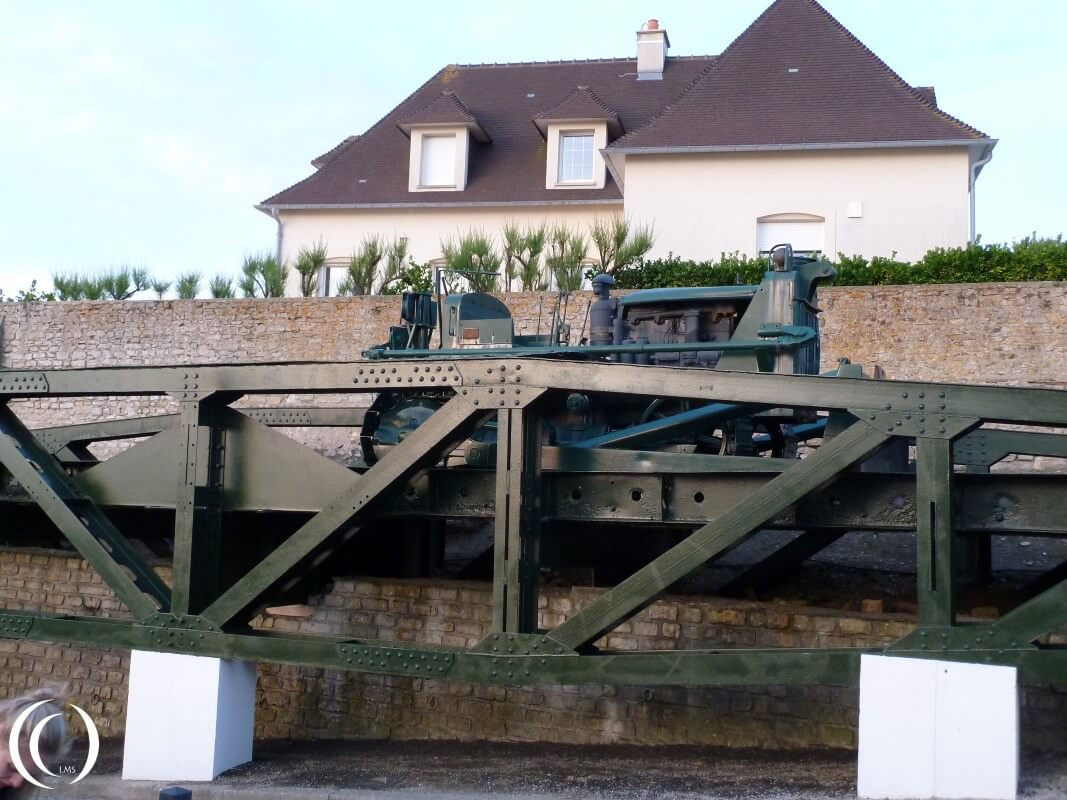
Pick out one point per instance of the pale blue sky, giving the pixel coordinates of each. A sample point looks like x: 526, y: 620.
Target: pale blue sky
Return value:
x: 143, y: 133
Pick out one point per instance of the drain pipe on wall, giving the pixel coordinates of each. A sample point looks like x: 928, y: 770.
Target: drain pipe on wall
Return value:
x: 976, y: 167
x: 278, y: 219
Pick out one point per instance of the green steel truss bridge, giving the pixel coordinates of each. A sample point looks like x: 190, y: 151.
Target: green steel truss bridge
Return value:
x: 258, y: 519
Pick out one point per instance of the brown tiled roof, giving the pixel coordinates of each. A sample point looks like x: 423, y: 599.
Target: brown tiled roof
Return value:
x: 503, y: 98
x: 320, y: 161
x: 928, y: 94
x: 797, y: 76
x: 445, y: 109
x: 581, y: 104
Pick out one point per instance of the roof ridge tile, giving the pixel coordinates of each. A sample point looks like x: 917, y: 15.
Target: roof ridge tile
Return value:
x: 557, y: 62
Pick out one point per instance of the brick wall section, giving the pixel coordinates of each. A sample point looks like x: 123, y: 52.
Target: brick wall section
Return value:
x: 305, y: 702
x: 40, y: 580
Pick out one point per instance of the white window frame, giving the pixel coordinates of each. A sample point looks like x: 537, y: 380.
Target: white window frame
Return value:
x: 462, y: 137
x: 556, y: 133
x: 589, y: 135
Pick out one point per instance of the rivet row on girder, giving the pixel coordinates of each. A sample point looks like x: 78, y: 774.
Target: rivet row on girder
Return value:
x: 15, y: 626
x: 396, y: 375
x: 267, y: 416
x: 181, y: 622
x: 23, y: 382
x: 393, y: 660
x: 508, y: 645
x: 903, y: 422
x: 177, y: 639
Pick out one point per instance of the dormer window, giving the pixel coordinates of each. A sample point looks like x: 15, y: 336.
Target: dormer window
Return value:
x: 574, y: 160
x: 437, y: 167
x: 438, y: 160
x: 576, y: 132
x: 440, y: 144
x: 575, y: 157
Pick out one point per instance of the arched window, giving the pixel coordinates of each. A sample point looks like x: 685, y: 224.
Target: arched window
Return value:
x: 805, y: 232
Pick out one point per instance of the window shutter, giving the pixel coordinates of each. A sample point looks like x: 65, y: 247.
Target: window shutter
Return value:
x: 801, y: 235
x: 438, y: 166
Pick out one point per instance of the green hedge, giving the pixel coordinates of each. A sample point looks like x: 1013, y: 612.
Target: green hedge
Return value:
x: 1031, y: 259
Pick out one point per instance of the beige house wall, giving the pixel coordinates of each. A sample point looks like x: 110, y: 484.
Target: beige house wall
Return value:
x: 706, y: 204
x: 425, y: 228
x: 700, y: 205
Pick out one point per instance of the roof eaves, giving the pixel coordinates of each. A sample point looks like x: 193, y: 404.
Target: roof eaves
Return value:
x: 771, y: 148
x: 267, y: 208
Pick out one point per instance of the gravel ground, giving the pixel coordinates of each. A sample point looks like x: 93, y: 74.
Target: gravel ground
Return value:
x: 347, y: 770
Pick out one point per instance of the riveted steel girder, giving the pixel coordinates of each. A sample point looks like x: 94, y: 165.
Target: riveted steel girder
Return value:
x: 212, y: 460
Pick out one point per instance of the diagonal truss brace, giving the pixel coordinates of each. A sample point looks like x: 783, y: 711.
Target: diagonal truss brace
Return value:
x: 1036, y: 617
x: 765, y: 573
x: 73, y: 512
x: 644, y: 586
x: 448, y: 426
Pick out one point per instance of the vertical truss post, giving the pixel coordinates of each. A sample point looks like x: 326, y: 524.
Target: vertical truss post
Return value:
x: 934, y: 532
x: 517, y: 544
x: 198, y: 510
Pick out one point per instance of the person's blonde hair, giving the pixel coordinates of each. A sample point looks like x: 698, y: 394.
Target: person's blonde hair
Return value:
x: 53, y: 740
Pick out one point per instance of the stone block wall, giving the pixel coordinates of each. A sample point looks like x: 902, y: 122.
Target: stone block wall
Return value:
x: 1003, y: 333
x: 996, y: 333
x: 307, y: 702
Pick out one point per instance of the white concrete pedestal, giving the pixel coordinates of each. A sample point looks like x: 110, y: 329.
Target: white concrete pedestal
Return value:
x: 187, y: 717
x: 937, y: 729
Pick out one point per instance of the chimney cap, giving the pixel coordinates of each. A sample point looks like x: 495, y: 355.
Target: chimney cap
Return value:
x: 651, y: 30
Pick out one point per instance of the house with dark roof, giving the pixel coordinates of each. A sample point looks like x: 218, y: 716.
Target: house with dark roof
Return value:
x: 795, y: 133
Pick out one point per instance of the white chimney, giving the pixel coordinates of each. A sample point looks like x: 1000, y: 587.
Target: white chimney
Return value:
x: 652, y: 44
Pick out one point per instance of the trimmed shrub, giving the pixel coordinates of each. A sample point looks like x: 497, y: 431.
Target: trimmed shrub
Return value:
x: 1030, y: 259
